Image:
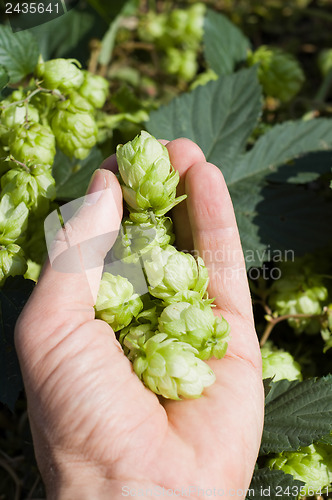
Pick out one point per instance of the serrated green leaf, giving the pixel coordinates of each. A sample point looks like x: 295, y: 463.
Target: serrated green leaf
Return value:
x: 277, y: 218
x: 218, y: 116
x: 271, y: 484
x: 280, y: 144
x: 297, y: 414
x: 224, y: 44
x: 13, y: 296
x: 74, y: 185
x: 4, y: 77
x: 18, y: 53
x: 304, y: 169
x: 59, y: 36
x: 271, y: 217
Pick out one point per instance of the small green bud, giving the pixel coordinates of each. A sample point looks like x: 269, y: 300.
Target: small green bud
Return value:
x: 13, y: 220
x: 12, y: 261
x: 195, y: 25
x: 34, y: 186
x: 311, y: 464
x: 61, y: 74
x: 171, y: 368
x: 169, y: 272
x: 74, y: 127
x: 94, y: 89
x: 117, y: 304
x: 279, y: 364
x: 152, y: 27
x: 196, y: 325
x: 32, y: 142
x: 278, y: 72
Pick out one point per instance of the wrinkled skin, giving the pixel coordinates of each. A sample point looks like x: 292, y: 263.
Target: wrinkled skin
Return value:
x: 96, y: 428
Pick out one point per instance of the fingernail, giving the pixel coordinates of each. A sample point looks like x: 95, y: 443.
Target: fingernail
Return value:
x: 96, y: 188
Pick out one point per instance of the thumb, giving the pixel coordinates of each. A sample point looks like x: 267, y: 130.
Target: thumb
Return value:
x: 68, y: 286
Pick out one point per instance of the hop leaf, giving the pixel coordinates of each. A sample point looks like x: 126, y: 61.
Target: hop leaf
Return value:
x: 32, y: 142
x: 94, y: 89
x: 149, y: 180
x: 61, y: 74
x: 117, y: 303
x: 196, y: 325
x: 311, y: 464
x: 171, y: 368
x: 136, y: 239
x: 13, y: 220
x: 34, y: 187
x: 279, y: 73
x: 12, y: 261
x: 279, y: 364
x: 74, y: 127
x: 170, y: 272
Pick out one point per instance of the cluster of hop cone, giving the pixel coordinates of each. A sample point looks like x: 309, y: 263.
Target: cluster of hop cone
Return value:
x: 169, y: 332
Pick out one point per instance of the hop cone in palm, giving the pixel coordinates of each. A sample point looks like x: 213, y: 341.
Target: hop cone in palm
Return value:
x: 196, y: 325
x: 278, y: 72
x: 171, y: 368
x: 171, y: 274
x: 279, y: 364
x: 148, y: 179
x: 136, y: 239
x: 311, y: 464
x: 117, y: 304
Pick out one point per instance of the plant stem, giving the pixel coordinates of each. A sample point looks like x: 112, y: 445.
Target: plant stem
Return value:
x: 274, y: 321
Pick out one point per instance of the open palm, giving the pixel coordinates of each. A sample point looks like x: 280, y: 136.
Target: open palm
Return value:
x: 96, y: 428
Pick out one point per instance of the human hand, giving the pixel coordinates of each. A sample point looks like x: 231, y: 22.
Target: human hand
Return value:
x: 97, y: 431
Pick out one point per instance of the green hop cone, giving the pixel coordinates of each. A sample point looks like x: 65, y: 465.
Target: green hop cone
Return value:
x: 279, y: 364
x: 94, y: 89
x: 32, y: 142
x: 182, y: 63
x: 74, y: 126
x: 194, y: 28
x: 61, y: 74
x: 132, y: 338
x: 171, y: 368
x: 325, y: 61
x: 148, y: 179
x: 299, y: 290
x: 12, y: 261
x: 16, y: 115
x: 13, y: 220
x: 196, y: 325
x: 136, y: 239
x: 153, y: 27
x: 171, y: 273
x: 33, y: 186
x: 279, y: 73
x: 311, y: 464
x: 117, y: 304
